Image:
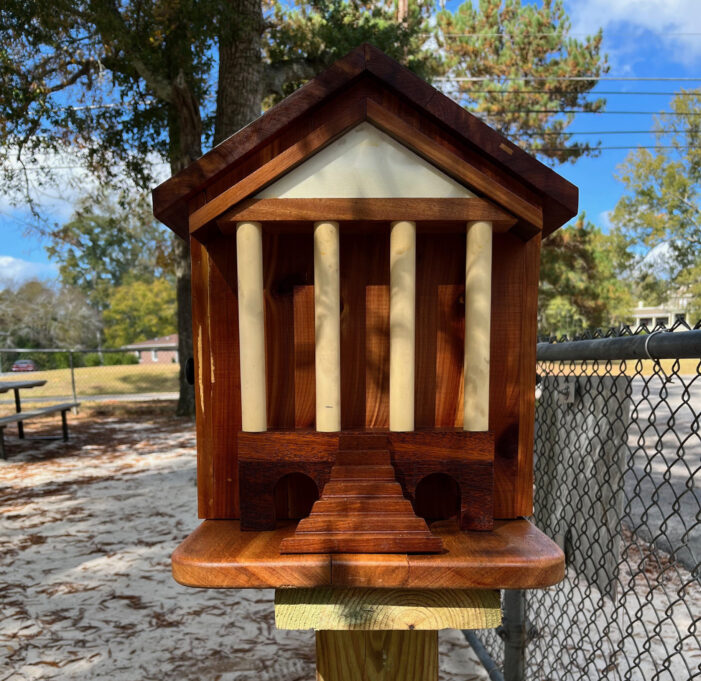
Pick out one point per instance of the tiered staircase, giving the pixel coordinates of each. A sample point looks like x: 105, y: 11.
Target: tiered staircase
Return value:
x: 362, y: 510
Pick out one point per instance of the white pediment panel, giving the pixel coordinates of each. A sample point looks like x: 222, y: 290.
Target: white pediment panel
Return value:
x: 365, y: 163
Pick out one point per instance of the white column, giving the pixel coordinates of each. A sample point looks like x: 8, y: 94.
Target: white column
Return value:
x: 327, y: 326
x: 402, y: 324
x: 478, y: 306
x: 249, y: 260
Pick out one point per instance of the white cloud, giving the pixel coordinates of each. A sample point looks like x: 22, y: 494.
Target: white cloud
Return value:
x: 14, y: 271
x: 625, y: 23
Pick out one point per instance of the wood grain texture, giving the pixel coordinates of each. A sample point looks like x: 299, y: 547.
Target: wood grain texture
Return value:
x: 371, y: 528
x: 218, y: 383
x: 514, y: 555
x: 377, y: 357
x: 450, y: 211
x: 386, y: 609
x: 377, y: 656
x: 304, y: 381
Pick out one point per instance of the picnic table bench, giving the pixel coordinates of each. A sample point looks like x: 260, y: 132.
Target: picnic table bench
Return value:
x: 34, y: 413
x: 21, y: 416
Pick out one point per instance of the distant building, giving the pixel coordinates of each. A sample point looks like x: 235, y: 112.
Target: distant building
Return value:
x: 157, y: 350
x: 667, y: 314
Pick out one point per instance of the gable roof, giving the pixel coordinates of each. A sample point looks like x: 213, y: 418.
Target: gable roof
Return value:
x: 176, y: 199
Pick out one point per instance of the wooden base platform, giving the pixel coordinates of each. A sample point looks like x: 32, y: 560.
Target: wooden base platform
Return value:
x: 514, y: 555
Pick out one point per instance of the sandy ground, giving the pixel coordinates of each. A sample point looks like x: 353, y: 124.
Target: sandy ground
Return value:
x: 85, y: 585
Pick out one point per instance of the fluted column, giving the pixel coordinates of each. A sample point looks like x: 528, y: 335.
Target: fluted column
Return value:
x: 249, y: 260
x: 327, y: 326
x: 402, y: 325
x: 478, y: 305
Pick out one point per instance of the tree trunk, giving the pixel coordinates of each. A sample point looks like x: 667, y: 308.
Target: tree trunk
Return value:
x: 239, y: 92
x: 186, y: 130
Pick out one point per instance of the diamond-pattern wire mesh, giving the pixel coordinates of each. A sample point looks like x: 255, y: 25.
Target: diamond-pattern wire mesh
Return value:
x: 617, y: 461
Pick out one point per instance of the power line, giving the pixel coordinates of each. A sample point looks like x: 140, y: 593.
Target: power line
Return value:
x: 549, y: 33
x: 535, y: 150
x: 593, y: 92
x: 601, y: 132
x: 476, y: 79
x: 683, y: 114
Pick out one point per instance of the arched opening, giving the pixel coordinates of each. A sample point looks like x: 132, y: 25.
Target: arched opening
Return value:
x: 437, y: 497
x: 295, y: 494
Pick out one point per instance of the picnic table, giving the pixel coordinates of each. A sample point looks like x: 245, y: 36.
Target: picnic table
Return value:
x: 19, y: 417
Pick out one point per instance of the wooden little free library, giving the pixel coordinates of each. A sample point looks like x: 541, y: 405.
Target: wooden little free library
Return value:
x: 365, y: 262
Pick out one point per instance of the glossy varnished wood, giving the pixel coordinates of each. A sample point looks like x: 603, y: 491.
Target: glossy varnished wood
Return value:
x: 514, y: 555
x: 371, y: 528
x: 450, y: 213
x: 366, y: 64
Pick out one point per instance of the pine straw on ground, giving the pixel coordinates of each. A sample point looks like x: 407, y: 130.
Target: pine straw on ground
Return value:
x: 85, y: 585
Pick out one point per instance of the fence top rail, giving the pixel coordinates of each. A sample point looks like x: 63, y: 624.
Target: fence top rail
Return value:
x: 656, y: 345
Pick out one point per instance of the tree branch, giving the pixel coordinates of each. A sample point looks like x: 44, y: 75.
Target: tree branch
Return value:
x: 275, y: 76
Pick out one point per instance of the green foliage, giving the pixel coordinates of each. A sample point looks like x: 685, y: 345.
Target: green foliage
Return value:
x: 661, y: 205
x: 140, y: 311
x: 316, y: 33
x: 35, y: 315
x: 506, y: 42
x: 96, y: 359
x: 106, y: 243
x: 580, y: 282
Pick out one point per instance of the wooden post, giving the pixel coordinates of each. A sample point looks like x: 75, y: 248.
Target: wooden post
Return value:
x: 327, y: 326
x: 249, y: 261
x: 402, y: 325
x: 382, y: 634
x: 478, y: 312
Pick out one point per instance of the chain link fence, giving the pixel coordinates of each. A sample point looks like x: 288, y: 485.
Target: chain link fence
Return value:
x: 91, y: 375
x: 617, y: 461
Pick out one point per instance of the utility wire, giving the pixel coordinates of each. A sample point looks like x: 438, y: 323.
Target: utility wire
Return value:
x: 476, y: 79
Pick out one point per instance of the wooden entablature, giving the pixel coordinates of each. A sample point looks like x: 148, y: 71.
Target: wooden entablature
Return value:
x: 366, y: 85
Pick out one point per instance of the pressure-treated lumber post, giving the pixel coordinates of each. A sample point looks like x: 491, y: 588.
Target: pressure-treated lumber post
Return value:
x: 327, y: 326
x: 478, y: 306
x: 382, y: 634
x: 402, y: 325
x: 249, y: 262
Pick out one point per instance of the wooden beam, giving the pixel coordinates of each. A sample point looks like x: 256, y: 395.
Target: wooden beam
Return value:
x: 454, y: 210
x: 452, y: 164
x: 377, y: 655
x: 219, y: 554
x: 386, y: 609
x: 284, y: 161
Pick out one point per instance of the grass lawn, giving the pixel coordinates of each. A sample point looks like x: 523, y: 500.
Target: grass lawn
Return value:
x: 101, y: 380
x: 687, y: 367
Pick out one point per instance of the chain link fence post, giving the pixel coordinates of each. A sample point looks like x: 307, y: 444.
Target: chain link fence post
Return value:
x: 72, y: 366
x: 514, y: 632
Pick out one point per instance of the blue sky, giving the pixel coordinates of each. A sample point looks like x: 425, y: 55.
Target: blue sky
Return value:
x: 643, y: 39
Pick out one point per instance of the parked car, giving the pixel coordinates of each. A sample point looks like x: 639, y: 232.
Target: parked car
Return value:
x: 24, y: 365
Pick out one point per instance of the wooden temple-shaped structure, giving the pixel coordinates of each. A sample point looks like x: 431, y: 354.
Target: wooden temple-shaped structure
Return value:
x: 365, y: 262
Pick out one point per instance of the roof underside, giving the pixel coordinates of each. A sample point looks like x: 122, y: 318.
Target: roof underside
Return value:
x: 365, y: 86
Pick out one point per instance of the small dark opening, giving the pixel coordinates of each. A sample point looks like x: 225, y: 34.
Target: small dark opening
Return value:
x: 437, y: 497
x: 295, y: 495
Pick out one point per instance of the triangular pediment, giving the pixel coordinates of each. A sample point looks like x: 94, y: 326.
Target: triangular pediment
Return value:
x: 365, y: 163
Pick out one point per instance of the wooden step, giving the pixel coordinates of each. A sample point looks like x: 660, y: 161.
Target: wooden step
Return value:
x: 363, y: 505
x: 362, y: 508
x: 378, y: 473
x: 361, y: 488
x: 363, y: 457
x: 385, y: 522
x: 360, y: 542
